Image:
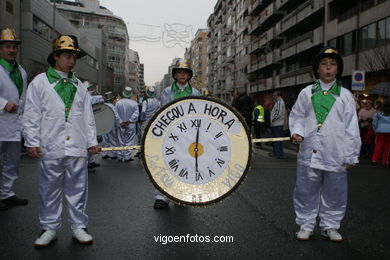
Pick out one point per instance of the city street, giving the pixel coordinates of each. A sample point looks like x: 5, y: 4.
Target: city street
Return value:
x: 259, y: 217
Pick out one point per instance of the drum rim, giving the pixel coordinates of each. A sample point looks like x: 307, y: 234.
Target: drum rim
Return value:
x: 113, y: 124
x: 239, y: 182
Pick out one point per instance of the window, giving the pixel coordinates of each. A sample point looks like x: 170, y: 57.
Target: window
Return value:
x: 42, y: 29
x: 348, y: 44
x: 368, y: 36
x: 382, y: 32
x: 388, y: 30
x: 9, y: 7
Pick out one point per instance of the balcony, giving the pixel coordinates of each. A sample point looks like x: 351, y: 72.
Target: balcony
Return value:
x: 264, y: 20
x: 302, y: 43
x: 301, y: 13
x: 296, y: 77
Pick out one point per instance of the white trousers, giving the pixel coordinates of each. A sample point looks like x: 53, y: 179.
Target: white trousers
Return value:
x: 126, y: 137
x: 319, y: 193
x: 66, y: 177
x: 9, y: 167
x: 110, y: 140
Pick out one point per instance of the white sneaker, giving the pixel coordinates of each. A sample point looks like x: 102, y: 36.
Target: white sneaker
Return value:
x: 45, y: 238
x: 304, y: 234
x: 332, y: 234
x: 81, y: 235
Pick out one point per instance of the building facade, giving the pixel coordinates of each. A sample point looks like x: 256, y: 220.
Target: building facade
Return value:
x: 38, y: 23
x: 197, y: 55
x: 266, y: 45
x: 88, y: 14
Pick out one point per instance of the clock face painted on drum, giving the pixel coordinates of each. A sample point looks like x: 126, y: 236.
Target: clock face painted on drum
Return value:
x: 196, y: 150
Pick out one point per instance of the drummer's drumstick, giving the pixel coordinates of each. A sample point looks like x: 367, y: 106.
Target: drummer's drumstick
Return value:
x: 138, y: 147
x: 275, y: 139
x: 121, y: 148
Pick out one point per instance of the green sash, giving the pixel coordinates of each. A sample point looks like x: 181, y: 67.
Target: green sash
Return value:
x: 65, y: 88
x: 14, y: 74
x: 178, y: 93
x: 323, y: 100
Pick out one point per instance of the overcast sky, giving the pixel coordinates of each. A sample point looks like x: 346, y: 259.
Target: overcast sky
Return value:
x: 161, y: 29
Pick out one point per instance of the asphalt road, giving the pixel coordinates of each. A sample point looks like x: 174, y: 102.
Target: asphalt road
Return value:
x: 259, y: 218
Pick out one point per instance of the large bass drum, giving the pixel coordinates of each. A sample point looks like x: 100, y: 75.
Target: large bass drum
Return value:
x: 196, y: 150
x: 104, y: 118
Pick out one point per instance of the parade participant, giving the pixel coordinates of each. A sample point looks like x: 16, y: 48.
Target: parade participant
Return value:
x: 111, y: 139
x: 149, y: 106
x: 324, y: 121
x: 13, y: 82
x: 128, y: 115
x: 59, y: 128
x: 381, y: 126
x: 258, y: 121
x: 244, y: 104
x: 278, y: 114
x: 182, y: 74
x: 365, y: 115
x: 95, y: 99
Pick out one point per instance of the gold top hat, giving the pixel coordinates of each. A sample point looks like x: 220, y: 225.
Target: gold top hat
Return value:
x: 8, y: 35
x: 182, y: 64
x: 65, y: 43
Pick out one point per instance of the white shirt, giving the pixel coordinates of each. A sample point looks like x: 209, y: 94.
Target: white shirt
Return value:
x: 11, y: 126
x: 149, y: 107
x: 338, y: 140
x: 278, y: 113
x: 127, y: 110
x: 168, y: 96
x: 44, y: 122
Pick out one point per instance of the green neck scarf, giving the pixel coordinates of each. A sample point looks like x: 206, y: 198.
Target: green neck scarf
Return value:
x: 323, y: 100
x: 178, y: 93
x: 14, y: 73
x: 65, y: 88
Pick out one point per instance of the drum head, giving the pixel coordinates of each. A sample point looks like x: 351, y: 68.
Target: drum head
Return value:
x: 196, y: 150
x: 104, y: 118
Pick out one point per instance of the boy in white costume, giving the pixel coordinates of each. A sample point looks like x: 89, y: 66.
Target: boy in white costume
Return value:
x: 181, y: 87
x: 59, y: 128
x: 13, y: 83
x: 324, y: 121
x: 128, y: 113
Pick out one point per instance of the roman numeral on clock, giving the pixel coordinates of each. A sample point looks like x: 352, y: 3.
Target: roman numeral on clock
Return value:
x: 169, y: 150
x: 218, y: 135
x: 223, y: 149
x: 198, y: 176
x: 196, y: 123
x: 183, y: 173
x: 173, y: 137
x: 211, y: 172
x: 220, y: 162
x: 182, y: 127
x: 173, y: 164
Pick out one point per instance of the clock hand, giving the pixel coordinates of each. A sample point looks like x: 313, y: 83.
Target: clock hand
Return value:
x: 196, y: 149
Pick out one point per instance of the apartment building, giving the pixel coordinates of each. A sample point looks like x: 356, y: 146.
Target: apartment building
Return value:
x: 38, y: 23
x: 362, y: 34
x: 197, y: 55
x: 274, y: 43
x: 89, y: 14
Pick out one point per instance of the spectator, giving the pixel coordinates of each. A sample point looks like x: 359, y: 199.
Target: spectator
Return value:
x: 278, y: 113
x: 381, y: 126
x: 244, y: 104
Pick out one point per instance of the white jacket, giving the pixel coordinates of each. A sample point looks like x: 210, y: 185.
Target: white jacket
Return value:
x: 11, y: 126
x: 338, y: 140
x: 44, y: 122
